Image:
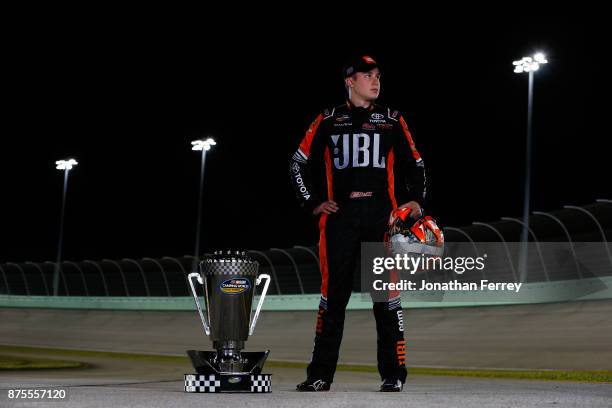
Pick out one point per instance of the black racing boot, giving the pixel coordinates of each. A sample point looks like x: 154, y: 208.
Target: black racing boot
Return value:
x: 391, y: 385
x: 311, y: 385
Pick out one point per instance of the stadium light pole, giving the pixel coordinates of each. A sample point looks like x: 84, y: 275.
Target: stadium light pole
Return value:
x: 65, y: 166
x: 527, y: 65
x: 203, y: 146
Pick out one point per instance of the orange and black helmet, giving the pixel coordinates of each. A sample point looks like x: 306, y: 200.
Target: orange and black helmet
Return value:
x: 414, y: 235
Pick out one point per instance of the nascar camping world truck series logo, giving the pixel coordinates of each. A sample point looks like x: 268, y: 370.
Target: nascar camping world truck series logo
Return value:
x: 235, y: 286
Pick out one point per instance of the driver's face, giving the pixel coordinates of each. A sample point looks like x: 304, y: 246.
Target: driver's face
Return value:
x: 367, y: 84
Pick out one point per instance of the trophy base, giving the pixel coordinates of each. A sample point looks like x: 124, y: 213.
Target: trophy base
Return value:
x: 210, y: 378
x: 228, y: 382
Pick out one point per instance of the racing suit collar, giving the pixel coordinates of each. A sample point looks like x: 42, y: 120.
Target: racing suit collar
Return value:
x: 352, y: 107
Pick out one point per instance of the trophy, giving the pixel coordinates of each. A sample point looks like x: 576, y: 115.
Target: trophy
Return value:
x: 229, y: 280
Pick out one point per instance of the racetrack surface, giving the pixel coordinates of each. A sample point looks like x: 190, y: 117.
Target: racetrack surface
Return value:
x: 120, y: 383
x: 565, y: 336
x: 562, y: 336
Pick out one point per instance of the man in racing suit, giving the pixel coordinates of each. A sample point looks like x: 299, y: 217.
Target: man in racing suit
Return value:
x: 371, y: 165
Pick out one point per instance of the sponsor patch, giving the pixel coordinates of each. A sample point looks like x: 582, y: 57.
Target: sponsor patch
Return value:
x: 369, y: 59
x: 319, y: 328
x: 400, y: 349
x: 312, y: 126
x: 342, y: 118
x: 235, y: 286
x: 299, y: 181
x: 400, y: 320
x: 359, y: 194
x: 377, y: 118
x: 368, y: 126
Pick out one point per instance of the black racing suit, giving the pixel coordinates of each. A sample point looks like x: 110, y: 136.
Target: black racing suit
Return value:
x: 371, y: 166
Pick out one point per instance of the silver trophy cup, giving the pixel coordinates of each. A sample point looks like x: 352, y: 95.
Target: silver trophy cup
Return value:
x: 229, y: 280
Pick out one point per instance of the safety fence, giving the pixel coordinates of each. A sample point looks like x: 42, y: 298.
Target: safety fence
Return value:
x: 295, y: 271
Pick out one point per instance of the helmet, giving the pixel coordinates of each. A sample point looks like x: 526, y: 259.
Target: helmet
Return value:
x: 409, y: 236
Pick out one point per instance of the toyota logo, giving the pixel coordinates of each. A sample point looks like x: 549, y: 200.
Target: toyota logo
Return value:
x: 377, y: 116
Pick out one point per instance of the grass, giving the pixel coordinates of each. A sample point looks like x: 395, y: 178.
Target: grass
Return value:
x: 21, y: 363
x: 95, y: 354
x: 552, y: 375
x: 604, y: 376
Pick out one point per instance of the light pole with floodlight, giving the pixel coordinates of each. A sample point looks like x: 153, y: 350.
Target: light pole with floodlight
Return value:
x: 66, y: 166
x: 527, y: 65
x: 203, y: 146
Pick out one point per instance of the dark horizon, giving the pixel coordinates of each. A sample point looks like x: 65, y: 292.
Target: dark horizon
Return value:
x: 127, y: 105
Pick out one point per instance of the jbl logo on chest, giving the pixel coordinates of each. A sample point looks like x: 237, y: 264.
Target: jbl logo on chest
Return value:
x: 357, y: 150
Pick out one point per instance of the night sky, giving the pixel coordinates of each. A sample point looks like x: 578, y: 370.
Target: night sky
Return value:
x: 126, y: 100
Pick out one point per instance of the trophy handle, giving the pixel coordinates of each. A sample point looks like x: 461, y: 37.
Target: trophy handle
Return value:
x: 261, y: 300
x: 197, y: 276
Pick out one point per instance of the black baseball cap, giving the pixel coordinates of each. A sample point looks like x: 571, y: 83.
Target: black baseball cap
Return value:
x: 362, y: 63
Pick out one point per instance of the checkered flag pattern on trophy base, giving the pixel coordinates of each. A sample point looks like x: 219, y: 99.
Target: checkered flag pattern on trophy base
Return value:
x: 261, y: 383
x: 201, y: 383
